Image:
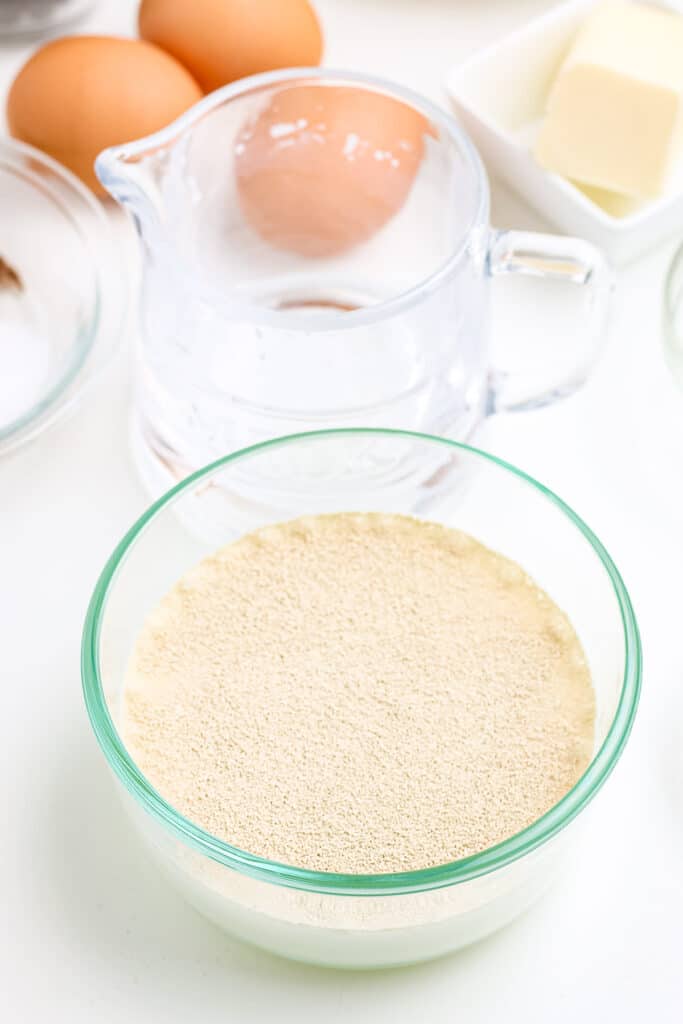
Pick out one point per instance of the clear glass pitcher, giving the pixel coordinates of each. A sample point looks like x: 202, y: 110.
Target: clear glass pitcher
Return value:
x: 318, y: 254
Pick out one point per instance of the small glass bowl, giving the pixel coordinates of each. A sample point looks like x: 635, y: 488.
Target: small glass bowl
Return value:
x: 361, y: 920
x: 39, y: 17
x: 672, y: 316
x: 61, y: 291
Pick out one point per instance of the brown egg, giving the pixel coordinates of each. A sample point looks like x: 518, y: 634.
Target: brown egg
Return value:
x: 323, y: 167
x: 222, y: 40
x: 79, y: 94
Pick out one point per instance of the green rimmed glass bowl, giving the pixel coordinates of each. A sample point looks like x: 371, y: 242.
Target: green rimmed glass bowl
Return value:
x: 369, y: 920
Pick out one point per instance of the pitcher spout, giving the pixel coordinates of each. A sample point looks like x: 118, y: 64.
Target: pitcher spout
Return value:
x: 132, y: 179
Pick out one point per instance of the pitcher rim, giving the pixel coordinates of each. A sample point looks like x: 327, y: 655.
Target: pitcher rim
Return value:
x: 108, y: 158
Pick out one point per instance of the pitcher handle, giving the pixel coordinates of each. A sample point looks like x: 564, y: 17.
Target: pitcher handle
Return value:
x: 563, y: 259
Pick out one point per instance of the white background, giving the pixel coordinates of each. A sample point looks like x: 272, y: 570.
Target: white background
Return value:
x: 90, y: 933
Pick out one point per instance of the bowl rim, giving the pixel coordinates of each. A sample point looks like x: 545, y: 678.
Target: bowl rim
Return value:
x: 464, y: 869
x: 108, y: 290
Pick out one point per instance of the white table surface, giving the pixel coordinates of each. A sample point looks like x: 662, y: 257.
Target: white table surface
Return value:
x: 90, y: 933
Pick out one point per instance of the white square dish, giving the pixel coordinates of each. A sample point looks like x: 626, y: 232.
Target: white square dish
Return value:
x: 499, y: 95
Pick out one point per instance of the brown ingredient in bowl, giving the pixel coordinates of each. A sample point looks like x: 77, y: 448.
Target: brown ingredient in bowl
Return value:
x: 359, y: 693
x: 9, y: 277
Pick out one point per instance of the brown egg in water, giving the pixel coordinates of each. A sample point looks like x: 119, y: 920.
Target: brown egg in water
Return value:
x: 323, y: 167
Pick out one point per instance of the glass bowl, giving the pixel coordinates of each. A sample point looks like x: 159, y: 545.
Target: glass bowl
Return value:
x: 672, y: 319
x: 37, y: 17
x: 61, y: 291
x: 361, y: 920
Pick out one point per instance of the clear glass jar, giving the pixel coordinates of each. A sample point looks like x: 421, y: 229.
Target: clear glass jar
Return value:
x: 248, y: 334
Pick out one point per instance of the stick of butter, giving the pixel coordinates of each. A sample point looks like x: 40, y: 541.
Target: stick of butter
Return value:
x: 614, y: 117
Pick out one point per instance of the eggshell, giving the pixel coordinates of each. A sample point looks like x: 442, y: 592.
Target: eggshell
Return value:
x: 79, y: 94
x: 323, y: 167
x: 222, y: 40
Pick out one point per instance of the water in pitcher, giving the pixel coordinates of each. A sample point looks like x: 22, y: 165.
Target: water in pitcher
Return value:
x: 204, y: 392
